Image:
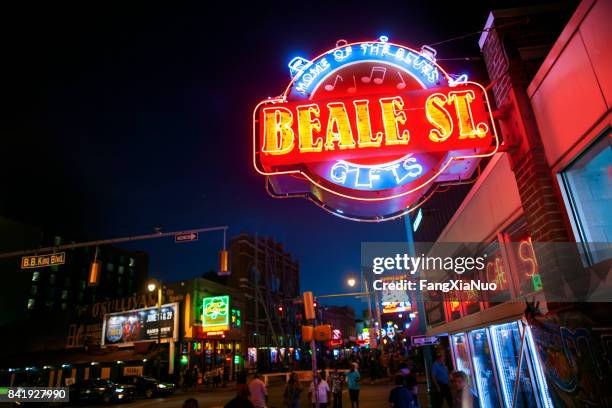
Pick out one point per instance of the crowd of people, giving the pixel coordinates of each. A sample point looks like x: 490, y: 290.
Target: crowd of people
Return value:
x: 450, y: 389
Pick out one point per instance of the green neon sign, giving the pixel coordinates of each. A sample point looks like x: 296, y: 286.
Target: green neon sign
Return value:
x: 215, y: 311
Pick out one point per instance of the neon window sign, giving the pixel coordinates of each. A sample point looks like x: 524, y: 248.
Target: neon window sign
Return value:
x: 215, y: 314
x: 368, y: 130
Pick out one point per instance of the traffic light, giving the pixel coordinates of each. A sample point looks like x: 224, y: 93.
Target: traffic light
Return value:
x: 94, y: 273
x: 307, y: 333
x: 223, y: 263
x: 323, y: 332
x: 309, y: 305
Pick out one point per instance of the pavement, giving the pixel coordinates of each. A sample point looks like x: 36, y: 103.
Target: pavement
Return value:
x: 371, y: 396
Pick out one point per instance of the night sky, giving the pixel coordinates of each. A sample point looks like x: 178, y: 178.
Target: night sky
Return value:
x: 117, y: 117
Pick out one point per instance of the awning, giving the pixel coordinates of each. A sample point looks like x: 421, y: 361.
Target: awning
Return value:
x: 505, y: 312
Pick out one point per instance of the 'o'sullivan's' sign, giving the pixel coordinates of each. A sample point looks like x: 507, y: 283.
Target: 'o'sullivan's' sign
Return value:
x: 368, y: 130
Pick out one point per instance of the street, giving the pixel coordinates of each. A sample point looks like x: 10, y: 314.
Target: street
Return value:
x: 371, y: 396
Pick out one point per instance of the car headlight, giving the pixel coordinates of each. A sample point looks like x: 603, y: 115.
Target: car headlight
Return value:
x: 161, y: 385
x: 118, y: 389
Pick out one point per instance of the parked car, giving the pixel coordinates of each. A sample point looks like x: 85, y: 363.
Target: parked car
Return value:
x: 99, y: 390
x: 147, y: 386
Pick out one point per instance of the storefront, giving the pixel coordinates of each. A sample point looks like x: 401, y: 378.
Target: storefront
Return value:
x: 558, y: 346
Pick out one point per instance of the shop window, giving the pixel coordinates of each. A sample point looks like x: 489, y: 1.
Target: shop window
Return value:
x: 496, y: 271
x: 484, y: 371
x: 461, y: 355
x: 506, y: 340
x: 522, y: 257
x: 31, y: 303
x: 587, y: 187
x: 35, y: 276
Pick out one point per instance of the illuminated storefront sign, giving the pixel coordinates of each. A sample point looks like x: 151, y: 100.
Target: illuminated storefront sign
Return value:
x: 367, y: 130
x: 215, y: 314
x: 146, y: 324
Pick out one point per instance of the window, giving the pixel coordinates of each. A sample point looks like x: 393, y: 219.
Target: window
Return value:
x: 64, y: 306
x: 587, y: 185
x: 34, y: 290
x: 132, y: 262
x: 52, y: 278
x: 120, y: 269
x: 50, y: 292
x: 64, y: 294
x: 35, y: 276
x: 83, y: 284
x: 67, y: 282
x: 110, y: 267
x: 31, y: 303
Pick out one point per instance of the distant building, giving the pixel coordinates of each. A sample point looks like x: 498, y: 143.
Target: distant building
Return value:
x: 63, y: 287
x: 341, y: 318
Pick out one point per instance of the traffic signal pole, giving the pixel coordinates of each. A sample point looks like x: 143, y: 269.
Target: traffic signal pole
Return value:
x: 113, y: 241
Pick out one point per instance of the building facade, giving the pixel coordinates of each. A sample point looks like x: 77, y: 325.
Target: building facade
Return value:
x: 269, y: 277
x: 537, y: 339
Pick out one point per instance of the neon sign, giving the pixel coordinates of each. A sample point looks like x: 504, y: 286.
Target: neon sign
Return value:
x: 215, y: 314
x: 367, y: 130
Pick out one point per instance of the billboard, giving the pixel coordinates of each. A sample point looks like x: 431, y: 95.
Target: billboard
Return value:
x: 215, y: 314
x: 147, y: 324
x: 369, y: 130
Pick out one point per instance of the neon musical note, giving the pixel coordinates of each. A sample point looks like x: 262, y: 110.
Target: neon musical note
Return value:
x: 330, y: 87
x: 353, y: 88
x: 378, y: 79
x: 402, y: 84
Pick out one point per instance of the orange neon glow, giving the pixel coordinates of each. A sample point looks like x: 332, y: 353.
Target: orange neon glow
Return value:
x: 278, y: 135
x: 338, y: 128
x: 496, y: 274
x: 463, y: 102
x: 439, y: 117
x: 364, y: 127
x: 263, y: 170
x: 527, y: 254
x: 394, y: 116
x: 374, y: 126
x: 308, y: 123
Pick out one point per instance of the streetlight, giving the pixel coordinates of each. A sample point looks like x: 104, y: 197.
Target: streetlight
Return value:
x: 156, y: 284
x: 351, y: 282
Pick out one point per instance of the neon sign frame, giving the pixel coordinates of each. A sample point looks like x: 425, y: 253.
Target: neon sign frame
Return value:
x: 312, y: 75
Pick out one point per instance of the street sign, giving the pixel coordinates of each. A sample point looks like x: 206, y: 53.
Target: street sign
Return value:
x: 186, y: 237
x: 40, y: 261
x: 419, y: 341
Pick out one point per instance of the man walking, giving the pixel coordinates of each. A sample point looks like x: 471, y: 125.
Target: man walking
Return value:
x: 321, y: 395
x: 337, y: 388
x: 440, y: 379
x: 353, y: 378
x: 258, y: 392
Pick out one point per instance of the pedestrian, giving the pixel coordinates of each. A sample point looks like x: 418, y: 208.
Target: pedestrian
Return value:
x: 195, y: 376
x: 293, y: 390
x: 400, y: 396
x: 465, y: 396
x: 337, y: 381
x: 241, y: 400
x: 353, y: 378
x: 258, y: 392
x: 323, y: 392
x: 413, y: 386
x: 440, y: 379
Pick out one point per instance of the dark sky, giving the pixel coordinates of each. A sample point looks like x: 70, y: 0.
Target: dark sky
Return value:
x: 120, y: 116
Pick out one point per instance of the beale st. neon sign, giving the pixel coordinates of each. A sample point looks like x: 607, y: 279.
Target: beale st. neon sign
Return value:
x: 369, y: 130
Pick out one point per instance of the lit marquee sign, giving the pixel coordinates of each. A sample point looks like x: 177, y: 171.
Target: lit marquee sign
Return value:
x: 368, y: 130
x: 215, y: 314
